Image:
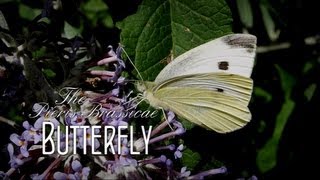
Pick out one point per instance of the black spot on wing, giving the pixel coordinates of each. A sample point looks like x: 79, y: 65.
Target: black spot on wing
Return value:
x: 223, y: 65
x: 241, y: 40
x: 219, y: 90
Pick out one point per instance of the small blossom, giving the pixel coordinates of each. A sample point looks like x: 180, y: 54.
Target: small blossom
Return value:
x: 77, y: 120
x: 170, y: 116
x: 110, y: 76
x: 21, y: 142
x: 116, y: 119
x: 161, y: 159
x: 184, y: 173
x: 4, y: 176
x: 14, y: 161
x: 127, y: 161
x: 63, y: 141
x: 87, y: 138
x: 170, y: 147
x: 169, y: 164
x: 80, y: 172
x: 45, y: 118
x: 210, y: 172
x: 31, y: 133
x: 64, y: 176
x: 177, y: 153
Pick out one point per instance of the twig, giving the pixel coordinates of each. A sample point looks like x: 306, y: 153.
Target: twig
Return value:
x: 312, y: 40
x: 54, y: 164
x: 8, y: 121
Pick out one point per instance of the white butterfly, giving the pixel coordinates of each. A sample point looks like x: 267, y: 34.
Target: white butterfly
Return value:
x: 209, y: 85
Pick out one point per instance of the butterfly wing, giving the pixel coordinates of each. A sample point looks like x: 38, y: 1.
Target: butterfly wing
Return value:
x: 230, y: 84
x: 211, y: 109
x: 210, y: 85
x: 233, y: 54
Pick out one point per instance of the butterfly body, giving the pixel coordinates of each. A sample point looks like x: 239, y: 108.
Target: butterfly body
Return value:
x: 209, y: 85
x: 148, y: 94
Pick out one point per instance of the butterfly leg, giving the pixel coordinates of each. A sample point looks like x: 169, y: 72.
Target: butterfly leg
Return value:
x: 165, y: 117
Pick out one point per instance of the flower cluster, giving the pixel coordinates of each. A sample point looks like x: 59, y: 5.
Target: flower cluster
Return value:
x: 119, y: 163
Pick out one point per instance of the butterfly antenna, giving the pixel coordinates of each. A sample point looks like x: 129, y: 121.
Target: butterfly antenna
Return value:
x: 131, y: 62
x: 130, y: 81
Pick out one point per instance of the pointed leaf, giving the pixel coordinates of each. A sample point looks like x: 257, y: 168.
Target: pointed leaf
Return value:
x: 190, y: 158
x: 163, y: 26
x: 3, y: 22
x: 245, y: 12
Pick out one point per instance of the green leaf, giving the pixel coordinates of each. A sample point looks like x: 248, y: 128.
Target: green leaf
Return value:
x: 107, y: 21
x: 267, y: 155
x: 13, y: 114
x: 190, y: 158
x: 37, y: 82
x: 3, y: 22
x: 187, y: 124
x: 8, y: 40
x: 95, y: 6
x: 258, y: 91
x: 97, y: 10
x: 28, y: 13
x: 308, y: 66
x: 39, y: 53
x: 308, y: 93
x: 70, y: 31
x: 164, y: 26
x: 6, y: 1
x: 268, y: 21
x: 49, y: 73
x: 45, y: 20
x: 245, y: 12
x: 287, y: 81
x: 213, y: 163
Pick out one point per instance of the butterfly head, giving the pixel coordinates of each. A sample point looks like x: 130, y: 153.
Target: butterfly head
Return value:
x: 145, y: 86
x: 141, y: 86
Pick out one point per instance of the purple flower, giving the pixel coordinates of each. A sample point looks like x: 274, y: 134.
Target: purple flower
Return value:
x: 127, y: 161
x: 170, y: 147
x: 63, y: 176
x: 116, y: 119
x: 77, y: 120
x: 210, y: 172
x: 184, y: 173
x: 63, y: 140
x: 14, y: 161
x: 161, y: 159
x: 87, y: 138
x: 79, y: 172
x: 177, y: 153
x: 41, y: 111
x: 43, y: 118
x: 31, y: 133
x: 21, y: 142
x: 4, y: 175
x: 170, y: 116
x: 111, y: 76
x: 179, y: 127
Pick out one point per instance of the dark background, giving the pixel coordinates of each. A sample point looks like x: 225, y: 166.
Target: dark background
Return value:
x: 297, y: 156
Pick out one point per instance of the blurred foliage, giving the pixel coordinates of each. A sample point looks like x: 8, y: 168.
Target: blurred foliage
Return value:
x: 190, y: 159
x: 49, y: 44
